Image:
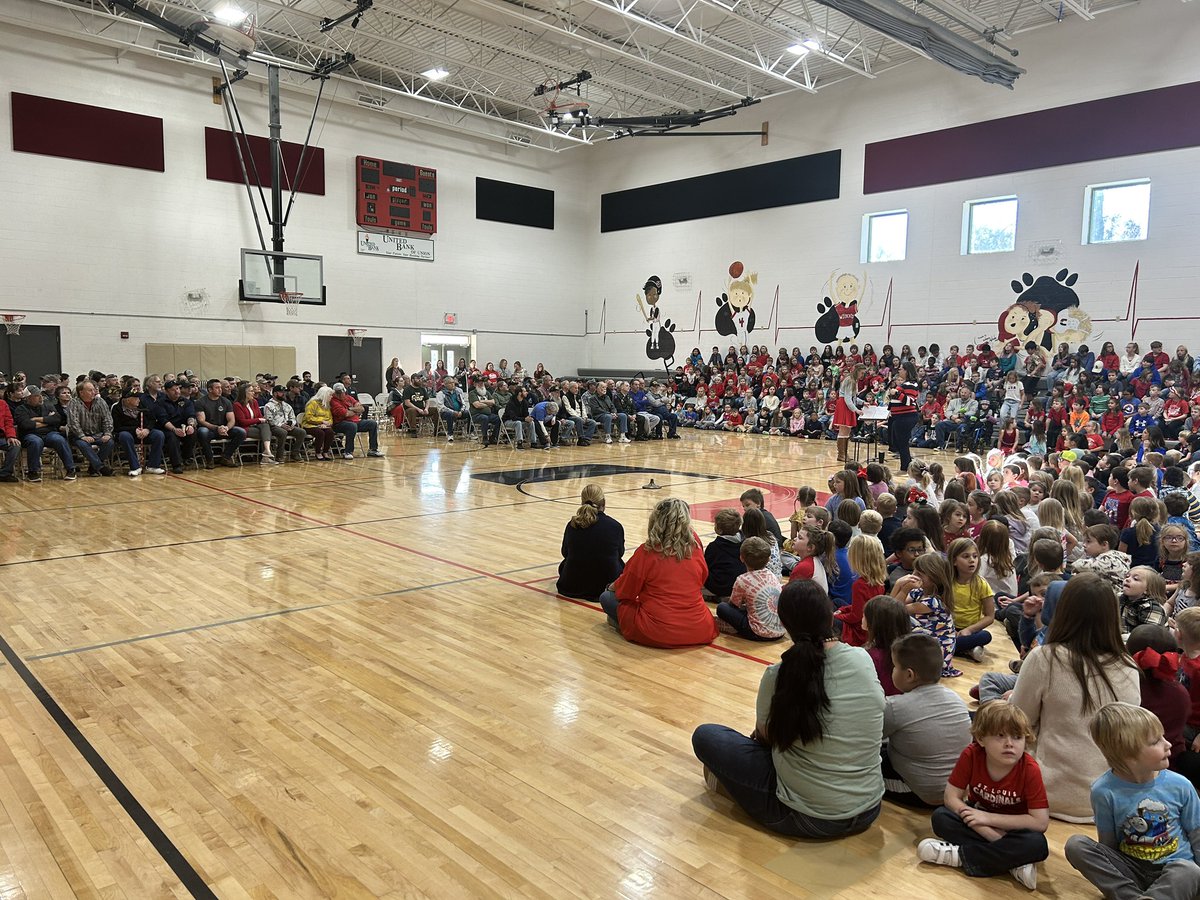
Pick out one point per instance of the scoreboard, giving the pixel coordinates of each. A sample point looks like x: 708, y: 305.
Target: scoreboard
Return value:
x: 394, y: 196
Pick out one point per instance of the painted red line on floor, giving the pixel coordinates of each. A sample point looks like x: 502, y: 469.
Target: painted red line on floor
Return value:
x: 449, y: 562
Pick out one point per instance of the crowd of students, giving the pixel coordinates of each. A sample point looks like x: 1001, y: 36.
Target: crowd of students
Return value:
x: 1089, y: 563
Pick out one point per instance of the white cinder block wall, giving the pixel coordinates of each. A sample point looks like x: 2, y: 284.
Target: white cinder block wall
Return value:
x: 102, y: 249
x: 796, y: 248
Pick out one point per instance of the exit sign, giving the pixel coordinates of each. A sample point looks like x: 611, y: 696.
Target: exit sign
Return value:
x: 450, y: 319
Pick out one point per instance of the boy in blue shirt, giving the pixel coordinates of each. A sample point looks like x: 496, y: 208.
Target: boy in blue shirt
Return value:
x: 1141, y: 421
x: 1147, y: 818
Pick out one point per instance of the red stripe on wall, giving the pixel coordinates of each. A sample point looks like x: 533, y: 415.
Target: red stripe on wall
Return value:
x: 221, y: 161
x: 1144, y: 122
x: 89, y: 133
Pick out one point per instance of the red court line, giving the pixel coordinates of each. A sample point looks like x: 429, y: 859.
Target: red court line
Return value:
x: 448, y: 562
x: 536, y: 580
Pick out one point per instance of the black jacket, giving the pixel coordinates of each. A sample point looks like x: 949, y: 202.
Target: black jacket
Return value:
x: 724, y: 558
x: 591, y: 558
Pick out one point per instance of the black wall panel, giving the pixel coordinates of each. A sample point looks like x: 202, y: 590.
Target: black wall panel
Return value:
x: 514, y: 204
x: 803, y: 179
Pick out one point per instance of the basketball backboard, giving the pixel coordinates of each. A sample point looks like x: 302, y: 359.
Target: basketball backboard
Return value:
x: 266, y: 274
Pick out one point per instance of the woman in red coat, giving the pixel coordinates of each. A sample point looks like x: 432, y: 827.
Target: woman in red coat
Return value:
x: 657, y: 601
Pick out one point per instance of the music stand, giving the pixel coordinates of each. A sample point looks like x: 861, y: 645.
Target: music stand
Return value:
x: 877, y: 415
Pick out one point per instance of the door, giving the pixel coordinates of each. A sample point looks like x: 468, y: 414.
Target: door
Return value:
x: 36, y: 351
x: 337, y: 354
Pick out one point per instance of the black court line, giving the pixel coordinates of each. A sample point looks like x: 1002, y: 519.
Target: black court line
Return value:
x: 267, y: 615
x: 171, y: 855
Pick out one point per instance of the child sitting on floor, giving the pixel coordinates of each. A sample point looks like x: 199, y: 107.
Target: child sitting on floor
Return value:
x: 723, y: 555
x: 753, y: 609
x: 1143, y: 600
x: 928, y: 597
x: 885, y: 621
x: 805, y: 497
x: 925, y: 726
x: 995, y: 813
x: 1100, y: 555
x: 865, y: 558
x: 974, y: 602
x: 1147, y: 818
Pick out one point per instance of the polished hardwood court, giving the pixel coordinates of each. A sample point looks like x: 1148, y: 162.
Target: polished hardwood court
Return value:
x: 354, y: 679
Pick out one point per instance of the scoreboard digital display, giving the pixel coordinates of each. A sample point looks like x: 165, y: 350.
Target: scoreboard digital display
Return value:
x: 392, y: 196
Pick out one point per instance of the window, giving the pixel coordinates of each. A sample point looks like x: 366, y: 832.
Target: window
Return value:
x: 885, y: 236
x: 1117, y: 212
x: 990, y: 226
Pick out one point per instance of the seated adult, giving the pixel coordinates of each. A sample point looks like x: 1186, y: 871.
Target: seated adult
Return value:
x: 519, y: 411
x: 248, y: 415
x: 1081, y: 667
x: 214, y: 421
x: 592, y: 546
x: 453, y: 406
x: 415, y: 398
x: 318, y: 422
x: 134, y: 425
x: 657, y: 600
x: 178, y: 425
x: 348, y: 420
x: 484, y: 411
x: 573, y: 411
x: 12, y: 443
x: 811, y: 766
x: 89, y: 428
x: 599, y: 405
x: 282, y: 419
x: 40, y: 425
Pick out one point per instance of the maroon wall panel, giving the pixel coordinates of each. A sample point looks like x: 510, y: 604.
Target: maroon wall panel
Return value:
x: 91, y: 133
x: 222, y: 161
x: 1145, y: 122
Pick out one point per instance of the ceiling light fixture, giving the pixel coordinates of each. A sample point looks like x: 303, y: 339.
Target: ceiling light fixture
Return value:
x: 799, y: 50
x: 228, y: 14
x: 437, y: 73
x: 812, y: 44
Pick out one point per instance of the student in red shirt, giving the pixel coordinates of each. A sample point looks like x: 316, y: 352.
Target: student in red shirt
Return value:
x: 657, y: 600
x: 995, y: 814
x: 1175, y: 413
x: 1113, y: 418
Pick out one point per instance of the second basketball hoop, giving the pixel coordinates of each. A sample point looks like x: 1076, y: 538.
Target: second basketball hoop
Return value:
x: 356, y: 335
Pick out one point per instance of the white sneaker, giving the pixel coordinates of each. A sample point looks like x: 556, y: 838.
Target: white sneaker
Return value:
x: 157, y: 471
x: 450, y: 439
x: 134, y: 473
x: 608, y: 439
x: 374, y: 453
x: 347, y: 456
x: 625, y: 440
x: 977, y: 654
x: 1026, y: 875
x: 940, y: 853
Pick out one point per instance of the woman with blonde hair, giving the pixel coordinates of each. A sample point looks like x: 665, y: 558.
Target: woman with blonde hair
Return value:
x: 592, y: 546
x: 318, y: 422
x: 845, y: 415
x: 657, y: 600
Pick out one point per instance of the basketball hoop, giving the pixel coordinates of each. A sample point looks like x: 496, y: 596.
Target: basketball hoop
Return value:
x: 356, y: 335
x: 12, y: 323
x: 291, y: 301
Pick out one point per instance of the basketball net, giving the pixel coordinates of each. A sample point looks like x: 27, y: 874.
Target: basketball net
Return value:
x: 12, y: 324
x: 291, y: 301
x: 356, y: 335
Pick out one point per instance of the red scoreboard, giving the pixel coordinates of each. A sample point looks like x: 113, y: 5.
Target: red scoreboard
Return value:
x: 394, y: 196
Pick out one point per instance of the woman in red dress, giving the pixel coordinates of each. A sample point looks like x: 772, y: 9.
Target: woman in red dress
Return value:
x: 845, y: 415
x: 657, y: 600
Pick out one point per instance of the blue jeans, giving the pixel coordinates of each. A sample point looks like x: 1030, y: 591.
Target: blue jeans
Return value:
x: 745, y: 769
x: 966, y: 643
x: 12, y: 453
x: 448, y: 419
x: 609, y: 603
x: 740, y: 620
x: 584, y: 428
x: 606, y: 420
x: 154, y: 440
x: 35, y: 443
x: 97, y: 454
x: 488, y: 427
x: 371, y: 427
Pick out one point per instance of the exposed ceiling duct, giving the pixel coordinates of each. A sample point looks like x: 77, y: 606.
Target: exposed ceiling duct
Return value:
x: 914, y: 30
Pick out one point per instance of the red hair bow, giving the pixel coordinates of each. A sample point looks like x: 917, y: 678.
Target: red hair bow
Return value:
x: 917, y: 496
x: 1163, y: 666
x: 862, y: 473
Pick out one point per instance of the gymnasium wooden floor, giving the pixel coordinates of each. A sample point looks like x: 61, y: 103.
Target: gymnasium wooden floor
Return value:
x: 355, y: 679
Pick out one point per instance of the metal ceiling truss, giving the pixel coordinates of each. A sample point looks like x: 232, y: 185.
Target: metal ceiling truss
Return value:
x: 647, y: 57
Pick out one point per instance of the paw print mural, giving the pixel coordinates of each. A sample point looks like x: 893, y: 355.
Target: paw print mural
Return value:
x: 837, y: 316
x: 1046, y: 311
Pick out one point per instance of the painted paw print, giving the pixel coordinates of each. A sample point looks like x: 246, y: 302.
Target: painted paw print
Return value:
x: 827, y: 322
x: 1062, y: 277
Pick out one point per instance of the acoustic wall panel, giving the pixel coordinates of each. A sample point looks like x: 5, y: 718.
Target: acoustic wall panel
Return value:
x: 515, y: 204
x: 802, y: 179
x: 90, y: 133
x: 221, y: 159
x: 1144, y: 122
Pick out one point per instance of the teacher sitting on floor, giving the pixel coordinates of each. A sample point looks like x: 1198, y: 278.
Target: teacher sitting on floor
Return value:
x: 592, y: 546
x: 657, y: 601
x: 811, y: 767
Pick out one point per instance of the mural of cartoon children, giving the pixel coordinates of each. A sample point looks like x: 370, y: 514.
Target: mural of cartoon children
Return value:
x: 661, y: 343
x: 734, y: 314
x: 840, y: 312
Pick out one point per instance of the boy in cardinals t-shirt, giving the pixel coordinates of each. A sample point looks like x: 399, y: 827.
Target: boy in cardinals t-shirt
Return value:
x: 995, y: 814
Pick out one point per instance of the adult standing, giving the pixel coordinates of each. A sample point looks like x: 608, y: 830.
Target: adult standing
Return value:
x: 845, y: 415
x: 592, y: 546
x: 393, y: 370
x: 902, y: 412
x: 1081, y: 667
x: 811, y: 766
x: 657, y: 600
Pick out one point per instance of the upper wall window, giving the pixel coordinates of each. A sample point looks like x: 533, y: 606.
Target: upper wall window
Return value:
x: 1119, y: 211
x: 990, y: 226
x: 885, y: 236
